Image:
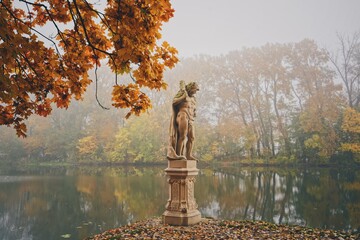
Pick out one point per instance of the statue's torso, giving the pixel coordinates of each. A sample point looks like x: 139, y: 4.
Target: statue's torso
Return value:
x: 188, y: 106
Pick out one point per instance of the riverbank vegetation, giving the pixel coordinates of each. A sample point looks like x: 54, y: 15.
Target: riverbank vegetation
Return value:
x: 292, y: 103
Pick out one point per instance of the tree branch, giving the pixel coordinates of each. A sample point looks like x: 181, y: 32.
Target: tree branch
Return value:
x: 86, y: 32
x: 100, y: 15
x: 96, y: 89
x: 50, y: 16
x: 110, y: 55
x: 33, y: 29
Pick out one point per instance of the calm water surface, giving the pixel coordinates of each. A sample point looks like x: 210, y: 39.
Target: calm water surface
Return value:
x: 73, y: 203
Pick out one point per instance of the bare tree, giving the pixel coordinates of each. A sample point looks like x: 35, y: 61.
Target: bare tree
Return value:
x: 347, y: 64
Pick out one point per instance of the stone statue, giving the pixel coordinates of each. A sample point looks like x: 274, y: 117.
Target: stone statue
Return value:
x: 181, y: 124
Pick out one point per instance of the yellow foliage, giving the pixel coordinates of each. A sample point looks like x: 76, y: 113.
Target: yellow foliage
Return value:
x: 87, y: 145
x: 351, y: 147
x: 313, y: 142
x: 351, y: 121
x: 354, y: 186
x: 351, y: 125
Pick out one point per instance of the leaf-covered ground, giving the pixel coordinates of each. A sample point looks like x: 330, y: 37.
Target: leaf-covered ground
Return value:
x: 219, y: 229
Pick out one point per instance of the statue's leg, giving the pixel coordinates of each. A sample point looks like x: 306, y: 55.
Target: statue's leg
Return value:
x: 182, y: 122
x: 190, y: 142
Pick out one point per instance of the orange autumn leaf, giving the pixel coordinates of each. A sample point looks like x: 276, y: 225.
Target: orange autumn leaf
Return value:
x: 54, y: 69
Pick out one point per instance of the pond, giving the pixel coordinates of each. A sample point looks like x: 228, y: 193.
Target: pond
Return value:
x: 73, y: 203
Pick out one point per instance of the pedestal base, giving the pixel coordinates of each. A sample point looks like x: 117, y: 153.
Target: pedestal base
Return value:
x: 181, y: 219
x: 181, y: 207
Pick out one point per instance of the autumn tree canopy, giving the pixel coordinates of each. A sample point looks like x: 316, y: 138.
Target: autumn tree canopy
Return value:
x: 38, y: 69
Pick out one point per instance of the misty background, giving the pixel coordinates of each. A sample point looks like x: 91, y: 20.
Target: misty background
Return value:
x: 217, y: 27
x: 269, y: 89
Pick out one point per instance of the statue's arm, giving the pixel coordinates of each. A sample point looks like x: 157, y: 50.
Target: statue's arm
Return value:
x: 178, y: 100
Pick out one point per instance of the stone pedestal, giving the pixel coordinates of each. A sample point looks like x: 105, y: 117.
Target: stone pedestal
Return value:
x: 181, y: 208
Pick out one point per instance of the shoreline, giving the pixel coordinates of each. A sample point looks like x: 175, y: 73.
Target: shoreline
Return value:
x: 209, y: 228
x: 225, y: 164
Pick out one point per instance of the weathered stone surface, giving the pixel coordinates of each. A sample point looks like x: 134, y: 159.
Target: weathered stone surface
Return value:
x: 180, y: 219
x: 182, y: 130
x: 181, y: 207
x: 182, y: 164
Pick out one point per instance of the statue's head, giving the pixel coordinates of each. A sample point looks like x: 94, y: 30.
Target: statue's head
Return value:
x: 192, y: 88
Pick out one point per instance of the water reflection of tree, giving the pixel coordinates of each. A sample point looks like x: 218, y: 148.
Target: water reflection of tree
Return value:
x: 325, y: 199
x: 57, y: 202
x: 79, y: 204
x: 317, y: 198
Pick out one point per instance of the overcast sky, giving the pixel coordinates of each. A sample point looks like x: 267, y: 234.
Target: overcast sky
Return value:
x: 218, y: 26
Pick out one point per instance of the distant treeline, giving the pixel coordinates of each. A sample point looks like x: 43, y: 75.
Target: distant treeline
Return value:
x: 287, y: 103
